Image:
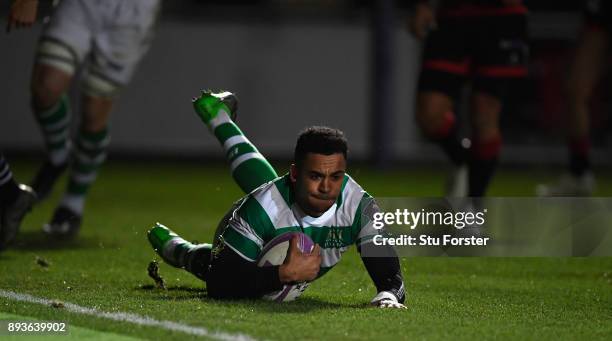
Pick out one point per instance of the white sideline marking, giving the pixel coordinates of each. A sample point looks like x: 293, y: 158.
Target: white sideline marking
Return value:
x: 129, y: 317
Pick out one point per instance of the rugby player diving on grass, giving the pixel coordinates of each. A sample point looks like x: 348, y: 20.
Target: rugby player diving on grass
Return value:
x: 316, y: 197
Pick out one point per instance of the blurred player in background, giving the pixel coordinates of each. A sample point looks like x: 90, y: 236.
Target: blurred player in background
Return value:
x: 15, y: 201
x: 483, y: 41
x: 316, y: 197
x: 105, y: 40
x: 588, y: 65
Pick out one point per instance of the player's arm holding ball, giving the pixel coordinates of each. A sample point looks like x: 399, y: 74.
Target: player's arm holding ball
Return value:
x: 300, y: 267
x: 232, y: 276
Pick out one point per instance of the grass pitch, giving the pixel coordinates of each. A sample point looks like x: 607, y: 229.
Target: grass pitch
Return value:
x: 466, y: 298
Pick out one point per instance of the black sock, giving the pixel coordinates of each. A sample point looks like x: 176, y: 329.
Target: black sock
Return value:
x: 579, y: 161
x: 8, y: 186
x: 453, y: 148
x: 198, y: 260
x: 579, y: 164
x: 480, y: 174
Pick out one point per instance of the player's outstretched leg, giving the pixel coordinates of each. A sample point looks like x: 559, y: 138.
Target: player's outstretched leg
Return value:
x: 178, y: 252
x: 249, y: 168
x: 15, y: 201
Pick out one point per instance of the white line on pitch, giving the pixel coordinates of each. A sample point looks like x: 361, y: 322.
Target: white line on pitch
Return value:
x: 129, y: 317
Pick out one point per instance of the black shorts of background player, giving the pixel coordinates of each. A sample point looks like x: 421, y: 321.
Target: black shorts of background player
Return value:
x: 479, y: 41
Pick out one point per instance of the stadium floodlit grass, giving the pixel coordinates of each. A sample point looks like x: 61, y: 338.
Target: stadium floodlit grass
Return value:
x: 105, y: 268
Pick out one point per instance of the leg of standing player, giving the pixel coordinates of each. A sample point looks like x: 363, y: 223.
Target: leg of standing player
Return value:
x: 120, y: 42
x: 63, y: 47
x: 500, y: 56
x: 49, y: 85
x: 486, y: 141
x: 443, y: 73
x: 64, y: 44
x: 437, y: 120
x: 585, y: 72
x: 114, y: 49
x: 88, y: 155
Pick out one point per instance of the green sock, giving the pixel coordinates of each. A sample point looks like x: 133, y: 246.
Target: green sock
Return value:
x: 55, y: 125
x: 175, y: 252
x: 178, y: 252
x: 89, y: 155
x: 249, y: 168
x: 182, y: 254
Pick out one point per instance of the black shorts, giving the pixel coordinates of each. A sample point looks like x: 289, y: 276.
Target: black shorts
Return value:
x: 487, y: 45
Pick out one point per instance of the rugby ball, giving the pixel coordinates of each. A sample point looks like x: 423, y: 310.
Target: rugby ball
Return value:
x: 274, y: 253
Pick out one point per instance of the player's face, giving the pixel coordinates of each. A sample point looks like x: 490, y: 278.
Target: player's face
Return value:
x: 317, y: 182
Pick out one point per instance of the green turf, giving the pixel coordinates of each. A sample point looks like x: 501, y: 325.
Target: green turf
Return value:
x: 105, y: 268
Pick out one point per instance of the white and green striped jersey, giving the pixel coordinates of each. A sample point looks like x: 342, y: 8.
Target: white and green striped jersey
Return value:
x: 270, y: 210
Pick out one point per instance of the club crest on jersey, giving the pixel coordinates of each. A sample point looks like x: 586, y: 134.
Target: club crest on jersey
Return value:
x: 334, y: 238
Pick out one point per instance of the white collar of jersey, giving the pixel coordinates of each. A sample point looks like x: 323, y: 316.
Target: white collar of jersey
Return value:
x: 307, y: 220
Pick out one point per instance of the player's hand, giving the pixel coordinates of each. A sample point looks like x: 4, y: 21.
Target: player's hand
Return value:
x: 22, y: 14
x: 423, y: 20
x: 386, y: 300
x: 300, y: 267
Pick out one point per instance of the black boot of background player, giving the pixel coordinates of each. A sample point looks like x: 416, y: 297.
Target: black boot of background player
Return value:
x: 65, y: 224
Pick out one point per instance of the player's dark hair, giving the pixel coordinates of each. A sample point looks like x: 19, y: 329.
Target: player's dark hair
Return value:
x: 319, y: 140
